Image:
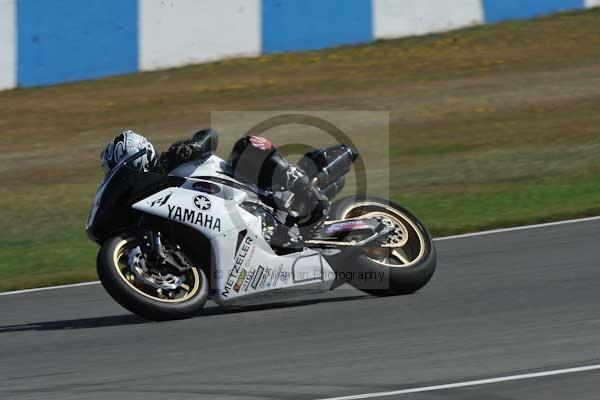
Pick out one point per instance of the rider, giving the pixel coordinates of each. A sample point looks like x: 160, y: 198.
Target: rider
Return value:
x: 253, y: 160
x: 127, y: 144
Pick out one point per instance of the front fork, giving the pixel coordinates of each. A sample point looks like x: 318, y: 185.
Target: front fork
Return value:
x: 152, y: 245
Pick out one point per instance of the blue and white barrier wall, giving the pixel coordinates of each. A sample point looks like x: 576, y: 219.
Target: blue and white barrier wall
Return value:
x: 180, y: 32
x: 46, y: 42
x: 8, y: 52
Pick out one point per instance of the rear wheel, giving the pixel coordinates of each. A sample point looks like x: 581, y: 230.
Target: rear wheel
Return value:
x: 403, y: 263
x: 155, y: 292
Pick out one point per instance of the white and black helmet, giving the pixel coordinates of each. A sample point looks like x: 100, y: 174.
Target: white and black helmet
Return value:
x: 125, y: 145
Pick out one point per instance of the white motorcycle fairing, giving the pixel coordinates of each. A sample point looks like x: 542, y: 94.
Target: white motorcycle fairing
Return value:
x: 246, y: 269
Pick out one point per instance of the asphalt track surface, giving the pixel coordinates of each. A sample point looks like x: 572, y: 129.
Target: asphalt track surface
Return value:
x: 501, y: 304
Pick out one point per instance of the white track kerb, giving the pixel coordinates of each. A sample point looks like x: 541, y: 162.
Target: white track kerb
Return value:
x: 466, y: 235
x: 468, y: 383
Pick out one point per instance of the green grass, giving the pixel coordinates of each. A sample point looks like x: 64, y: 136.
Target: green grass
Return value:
x: 490, y: 126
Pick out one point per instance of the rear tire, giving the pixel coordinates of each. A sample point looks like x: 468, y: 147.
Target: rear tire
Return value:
x: 419, y: 258
x: 125, y: 292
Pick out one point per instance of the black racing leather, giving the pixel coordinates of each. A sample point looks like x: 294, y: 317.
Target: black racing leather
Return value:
x: 271, y: 171
x: 200, y: 147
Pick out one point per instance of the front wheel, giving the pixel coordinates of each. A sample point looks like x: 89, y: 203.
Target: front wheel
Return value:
x: 153, y: 292
x: 402, y: 264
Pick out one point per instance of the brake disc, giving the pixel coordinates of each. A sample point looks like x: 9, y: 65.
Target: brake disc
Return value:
x: 137, y: 265
x: 397, y: 238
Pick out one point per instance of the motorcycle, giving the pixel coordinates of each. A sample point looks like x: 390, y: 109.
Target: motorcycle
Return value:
x: 169, y: 242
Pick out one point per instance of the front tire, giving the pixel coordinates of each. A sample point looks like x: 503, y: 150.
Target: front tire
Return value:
x: 129, y: 290
x: 405, y: 267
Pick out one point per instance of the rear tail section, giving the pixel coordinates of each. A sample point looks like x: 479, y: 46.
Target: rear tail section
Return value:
x: 327, y: 167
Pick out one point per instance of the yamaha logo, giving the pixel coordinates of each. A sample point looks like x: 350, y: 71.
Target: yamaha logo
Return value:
x: 202, y: 202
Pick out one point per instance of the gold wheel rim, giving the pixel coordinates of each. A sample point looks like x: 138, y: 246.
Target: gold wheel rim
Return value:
x: 395, y: 215
x: 118, y: 253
